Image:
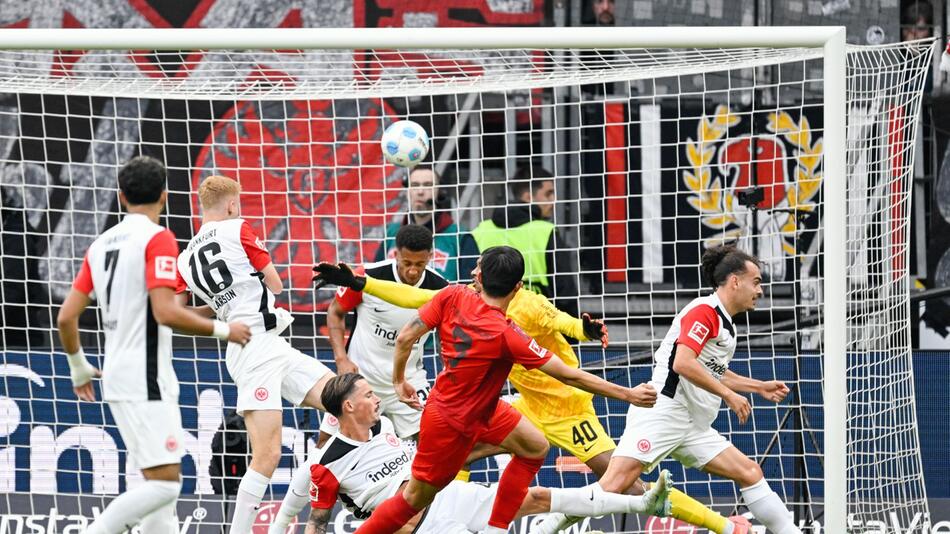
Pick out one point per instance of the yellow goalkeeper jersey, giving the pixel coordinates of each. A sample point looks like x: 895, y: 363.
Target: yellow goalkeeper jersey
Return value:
x: 547, y: 398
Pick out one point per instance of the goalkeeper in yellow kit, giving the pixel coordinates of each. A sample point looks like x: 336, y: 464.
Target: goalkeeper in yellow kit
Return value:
x: 564, y: 414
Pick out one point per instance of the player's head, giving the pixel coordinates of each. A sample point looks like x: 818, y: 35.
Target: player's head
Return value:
x: 499, y: 271
x: 413, y: 252
x: 142, y: 181
x: 534, y: 185
x: 421, y: 189
x: 350, y: 399
x: 220, y: 197
x: 735, y: 273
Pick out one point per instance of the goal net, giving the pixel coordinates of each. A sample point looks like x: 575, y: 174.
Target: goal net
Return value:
x: 654, y: 155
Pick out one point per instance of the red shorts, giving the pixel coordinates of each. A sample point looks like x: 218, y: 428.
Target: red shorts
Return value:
x: 442, y: 449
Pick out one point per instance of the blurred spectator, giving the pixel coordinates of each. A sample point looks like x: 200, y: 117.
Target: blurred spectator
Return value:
x: 526, y: 225
x: 454, y: 253
x: 917, y: 20
x: 603, y: 11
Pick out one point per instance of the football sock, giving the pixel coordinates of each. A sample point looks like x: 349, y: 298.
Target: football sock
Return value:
x: 129, y: 508
x: 553, y: 523
x: 161, y: 521
x: 389, y: 516
x: 688, y: 509
x: 294, y: 501
x: 250, y: 492
x: 769, y: 509
x: 592, y: 501
x: 512, y: 488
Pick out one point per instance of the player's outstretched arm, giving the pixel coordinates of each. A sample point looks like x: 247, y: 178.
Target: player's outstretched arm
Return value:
x: 407, y: 337
x: 549, y: 317
x: 318, y: 521
x: 272, y: 279
x: 81, y: 371
x: 771, y: 390
x: 169, y: 312
x: 643, y: 395
x: 686, y: 364
x: 336, y: 328
x: 394, y: 293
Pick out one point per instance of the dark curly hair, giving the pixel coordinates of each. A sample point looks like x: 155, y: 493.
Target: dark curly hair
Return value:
x: 719, y: 263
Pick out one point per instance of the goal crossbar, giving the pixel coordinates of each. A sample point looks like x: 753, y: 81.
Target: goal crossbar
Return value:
x: 413, y: 38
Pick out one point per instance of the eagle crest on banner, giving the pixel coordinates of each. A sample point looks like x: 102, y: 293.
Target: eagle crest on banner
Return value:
x: 787, y: 172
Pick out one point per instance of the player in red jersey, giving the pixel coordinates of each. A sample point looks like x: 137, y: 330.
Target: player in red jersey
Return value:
x: 479, y: 346
x: 130, y: 270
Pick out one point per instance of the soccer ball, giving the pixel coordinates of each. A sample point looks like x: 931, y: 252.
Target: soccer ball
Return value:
x: 405, y: 144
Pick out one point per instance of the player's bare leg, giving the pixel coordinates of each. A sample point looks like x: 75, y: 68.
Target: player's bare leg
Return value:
x: 264, y: 429
x: 312, y: 399
x: 762, y: 501
x: 151, y: 504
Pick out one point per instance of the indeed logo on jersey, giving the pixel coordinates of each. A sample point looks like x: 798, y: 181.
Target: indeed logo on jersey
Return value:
x: 389, y: 468
x: 717, y: 369
x: 388, y: 335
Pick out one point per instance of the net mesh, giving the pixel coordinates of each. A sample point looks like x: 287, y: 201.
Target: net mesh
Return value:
x: 656, y: 154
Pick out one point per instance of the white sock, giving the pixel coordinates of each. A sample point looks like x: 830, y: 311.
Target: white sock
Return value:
x: 592, y: 500
x: 250, y: 492
x: 769, y: 509
x: 161, y: 521
x: 129, y: 508
x: 494, y: 530
x: 553, y: 523
x: 298, y: 494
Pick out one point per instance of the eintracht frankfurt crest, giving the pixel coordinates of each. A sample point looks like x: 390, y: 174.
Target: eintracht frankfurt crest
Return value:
x: 783, y: 164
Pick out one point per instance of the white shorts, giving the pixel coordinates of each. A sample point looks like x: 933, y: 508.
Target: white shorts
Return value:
x: 667, y: 429
x: 268, y: 369
x: 405, y: 419
x: 460, y: 508
x: 151, y: 431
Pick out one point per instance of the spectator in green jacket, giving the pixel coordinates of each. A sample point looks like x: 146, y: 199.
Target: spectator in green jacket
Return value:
x: 454, y: 251
x: 525, y: 224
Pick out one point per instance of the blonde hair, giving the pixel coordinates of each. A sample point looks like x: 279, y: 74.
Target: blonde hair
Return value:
x: 214, y: 189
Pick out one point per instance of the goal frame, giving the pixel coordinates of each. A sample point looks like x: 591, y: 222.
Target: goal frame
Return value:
x: 832, y: 40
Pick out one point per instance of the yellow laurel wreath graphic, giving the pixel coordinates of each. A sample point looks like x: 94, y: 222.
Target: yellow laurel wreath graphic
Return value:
x: 715, y: 203
x: 807, y: 176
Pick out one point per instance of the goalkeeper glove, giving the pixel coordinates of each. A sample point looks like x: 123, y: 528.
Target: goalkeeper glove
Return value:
x: 80, y: 370
x: 594, y: 329
x: 338, y: 275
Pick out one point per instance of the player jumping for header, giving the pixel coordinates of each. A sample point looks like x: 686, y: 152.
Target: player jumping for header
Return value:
x: 479, y: 346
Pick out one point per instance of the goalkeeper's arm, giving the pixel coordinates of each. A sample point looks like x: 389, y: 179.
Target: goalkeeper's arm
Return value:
x: 402, y: 295
x: 551, y: 318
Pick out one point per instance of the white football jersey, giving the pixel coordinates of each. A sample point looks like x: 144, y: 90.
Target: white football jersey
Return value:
x: 119, y: 269
x: 378, y: 323
x: 221, y: 265
x: 361, y: 474
x: 706, y: 327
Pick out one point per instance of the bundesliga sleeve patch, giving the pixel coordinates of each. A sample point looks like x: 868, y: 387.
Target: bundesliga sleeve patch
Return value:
x: 165, y: 268
x: 537, y: 349
x: 698, y: 332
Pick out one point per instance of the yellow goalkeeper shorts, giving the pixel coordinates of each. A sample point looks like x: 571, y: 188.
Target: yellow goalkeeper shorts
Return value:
x: 581, y: 435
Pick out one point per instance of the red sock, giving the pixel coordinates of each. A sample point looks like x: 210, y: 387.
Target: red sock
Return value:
x: 389, y: 516
x: 512, y: 488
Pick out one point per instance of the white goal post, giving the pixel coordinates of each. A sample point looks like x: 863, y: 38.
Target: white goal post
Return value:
x: 754, y: 46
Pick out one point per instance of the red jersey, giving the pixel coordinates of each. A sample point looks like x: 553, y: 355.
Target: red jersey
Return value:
x: 479, y: 346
